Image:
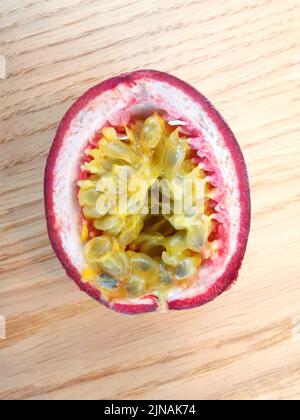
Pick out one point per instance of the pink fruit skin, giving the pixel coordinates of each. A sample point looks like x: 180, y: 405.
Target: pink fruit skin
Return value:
x: 230, y: 275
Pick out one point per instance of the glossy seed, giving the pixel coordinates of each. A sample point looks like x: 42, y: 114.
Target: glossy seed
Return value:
x: 196, y: 238
x: 88, y: 196
x: 104, y: 204
x: 110, y: 133
x: 152, y: 131
x: 108, y: 282
x: 186, y: 269
x: 135, y: 285
x: 111, y: 224
x: 141, y: 263
x: 181, y: 271
x: 90, y: 212
x: 117, y: 265
x: 131, y: 231
x: 119, y: 150
x: 169, y: 259
x: 164, y: 275
x: 174, y: 157
x: 98, y: 249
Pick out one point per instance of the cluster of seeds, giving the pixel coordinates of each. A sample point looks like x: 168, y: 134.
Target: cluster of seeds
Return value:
x: 130, y: 249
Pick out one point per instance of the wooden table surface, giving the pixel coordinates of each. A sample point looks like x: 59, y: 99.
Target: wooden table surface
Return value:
x: 60, y: 344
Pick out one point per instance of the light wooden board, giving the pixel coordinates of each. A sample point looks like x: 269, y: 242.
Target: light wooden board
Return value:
x: 244, y: 56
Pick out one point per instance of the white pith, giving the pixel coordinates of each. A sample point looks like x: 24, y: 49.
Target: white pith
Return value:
x: 116, y: 106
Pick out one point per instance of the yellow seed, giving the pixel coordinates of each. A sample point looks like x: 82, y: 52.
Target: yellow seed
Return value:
x: 110, y: 133
x: 98, y: 249
x: 137, y: 128
x: 95, y: 153
x: 152, y: 131
x: 86, y: 184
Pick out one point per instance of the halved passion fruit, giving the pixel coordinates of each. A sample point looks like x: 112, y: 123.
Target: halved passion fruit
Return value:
x: 146, y: 195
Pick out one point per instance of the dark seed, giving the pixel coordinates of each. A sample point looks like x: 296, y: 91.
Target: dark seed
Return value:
x: 135, y: 285
x: 181, y: 271
x: 108, y: 282
x: 165, y: 275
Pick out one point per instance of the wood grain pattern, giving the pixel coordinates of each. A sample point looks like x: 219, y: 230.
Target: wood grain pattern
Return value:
x: 245, y: 56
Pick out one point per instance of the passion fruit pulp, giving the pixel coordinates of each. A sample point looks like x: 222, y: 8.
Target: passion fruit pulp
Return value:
x: 152, y: 127
x: 125, y: 171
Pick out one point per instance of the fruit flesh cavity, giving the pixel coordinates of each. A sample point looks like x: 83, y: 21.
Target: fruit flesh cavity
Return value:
x: 136, y: 252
